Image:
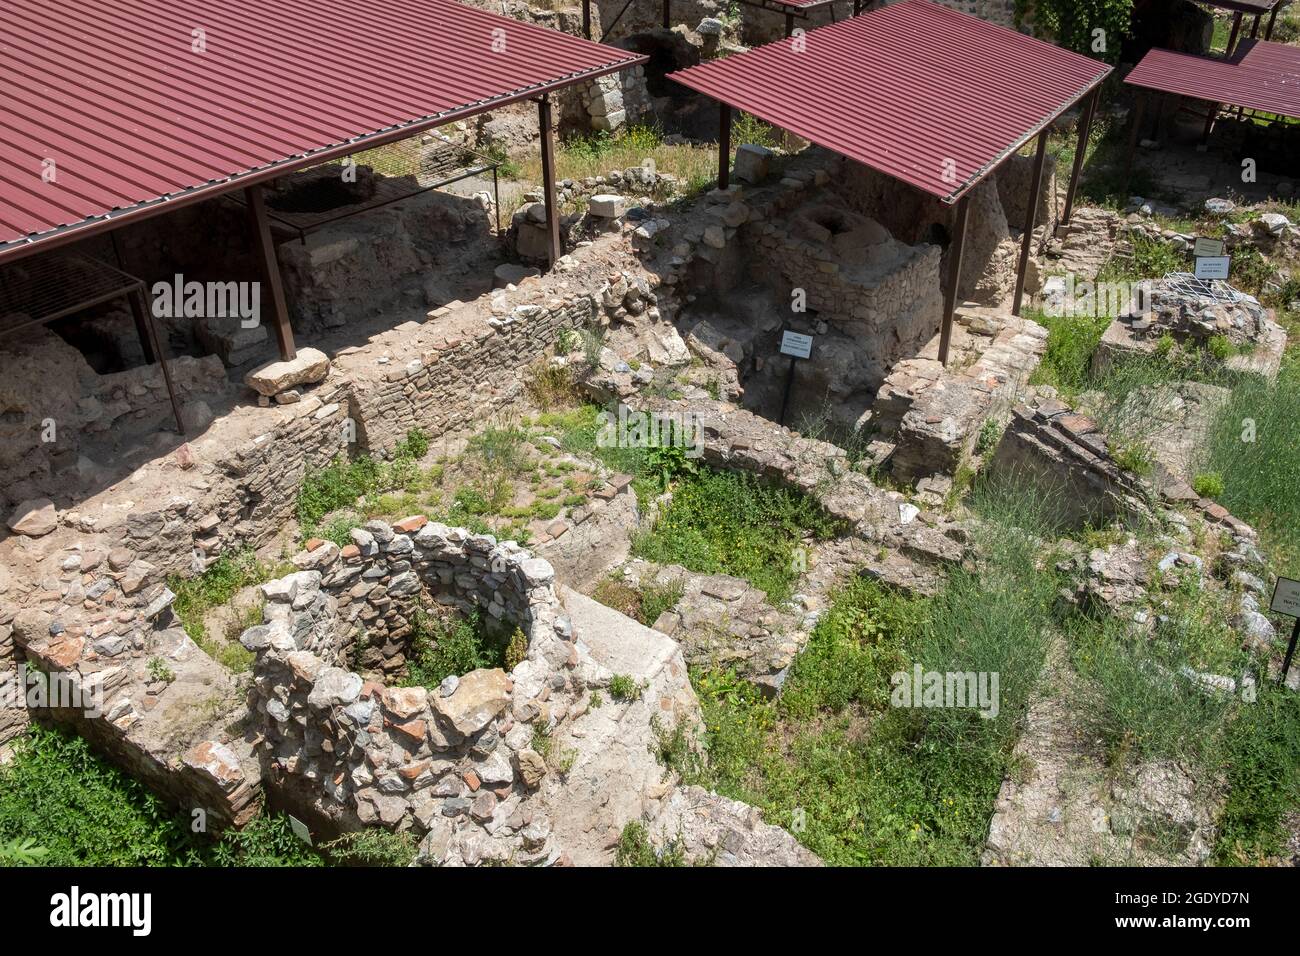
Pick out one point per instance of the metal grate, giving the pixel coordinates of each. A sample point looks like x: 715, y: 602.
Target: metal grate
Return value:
x: 44, y: 288
x: 41, y: 289
x: 1186, y: 284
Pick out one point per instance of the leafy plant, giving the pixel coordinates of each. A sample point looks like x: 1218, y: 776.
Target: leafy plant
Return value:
x: 624, y: 687
x: 371, y: 847
x: 1208, y: 484
x: 734, y: 523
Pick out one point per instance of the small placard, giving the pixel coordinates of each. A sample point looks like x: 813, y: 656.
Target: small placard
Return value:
x: 299, y: 829
x: 796, y: 344
x: 1212, y: 267
x: 1286, y: 597
x: 1206, y: 248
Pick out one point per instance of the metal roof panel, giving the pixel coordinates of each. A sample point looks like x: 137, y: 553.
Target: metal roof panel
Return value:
x: 133, y: 117
x: 925, y: 94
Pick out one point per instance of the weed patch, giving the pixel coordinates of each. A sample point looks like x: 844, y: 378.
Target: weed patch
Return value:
x: 723, y: 522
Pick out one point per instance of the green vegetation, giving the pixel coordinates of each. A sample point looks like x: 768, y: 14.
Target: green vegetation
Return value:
x: 217, y: 587
x: 634, y: 849
x: 1096, y: 28
x: 624, y: 687
x: 1263, y: 770
x: 734, y: 523
x: 343, y: 482
x: 1070, y: 343
x: 58, y: 797
x: 1253, y: 444
x: 1208, y: 484
x: 444, y: 645
x: 371, y: 847
x: 857, y: 780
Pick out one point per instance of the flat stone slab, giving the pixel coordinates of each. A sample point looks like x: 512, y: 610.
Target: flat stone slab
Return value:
x: 308, y: 367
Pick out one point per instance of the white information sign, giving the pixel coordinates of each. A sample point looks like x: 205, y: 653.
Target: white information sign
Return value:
x: 1212, y: 267
x: 796, y: 344
x: 1286, y: 597
x: 1209, y: 247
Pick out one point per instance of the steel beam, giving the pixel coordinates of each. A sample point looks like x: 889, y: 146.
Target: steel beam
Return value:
x: 954, y: 277
x: 265, y: 248
x: 724, y: 145
x: 1031, y: 214
x: 548, y: 178
x: 1085, y: 130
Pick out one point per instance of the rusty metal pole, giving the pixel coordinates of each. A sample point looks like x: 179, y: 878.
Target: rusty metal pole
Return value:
x: 1138, y: 109
x: 265, y: 248
x: 143, y: 312
x: 789, y: 24
x: 1080, y: 151
x: 1272, y: 19
x: 1031, y: 214
x: 1232, y: 37
x: 586, y: 18
x: 724, y: 145
x: 954, y: 277
x: 548, y: 177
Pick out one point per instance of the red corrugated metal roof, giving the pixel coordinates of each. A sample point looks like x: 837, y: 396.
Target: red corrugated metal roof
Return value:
x: 803, y: 3
x: 1245, y: 6
x: 907, y: 90
x: 1260, y: 76
x: 132, y: 117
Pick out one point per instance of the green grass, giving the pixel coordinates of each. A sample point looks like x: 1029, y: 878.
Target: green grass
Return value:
x: 342, y: 482
x: 1263, y: 771
x: 444, y: 645
x: 1259, y: 475
x: 860, y: 782
x: 1071, y: 341
x: 82, y: 811
x: 723, y: 522
x: 1151, y: 259
x: 215, y: 587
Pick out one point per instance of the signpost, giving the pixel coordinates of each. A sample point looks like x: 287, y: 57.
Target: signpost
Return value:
x: 1286, y: 600
x: 797, y: 345
x: 1209, y: 248
x: 1212, y: 267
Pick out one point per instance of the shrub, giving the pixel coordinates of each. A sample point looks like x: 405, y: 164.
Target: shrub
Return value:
x: 1208, y: 485
x: 1074, y: 24
x: 624, y: 687
x: 635, y: 849
x: 61, y: 799
x: 1070, y: 344
x: 735, y: 523
x: 443, y: 645
x: 371, y: 847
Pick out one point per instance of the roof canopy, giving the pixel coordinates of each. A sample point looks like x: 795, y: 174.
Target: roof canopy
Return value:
x: 114, y: 111
x: 930, y: 96
x: 1259, y: 76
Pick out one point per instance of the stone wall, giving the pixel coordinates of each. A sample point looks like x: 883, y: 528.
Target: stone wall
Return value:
x: 454, y: 764
x: 356, y: 266
x: 989, y: 254
x: 1064, y: 454
x: 56, y: 412
x: 882, y: 295
x: 933, y: 415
